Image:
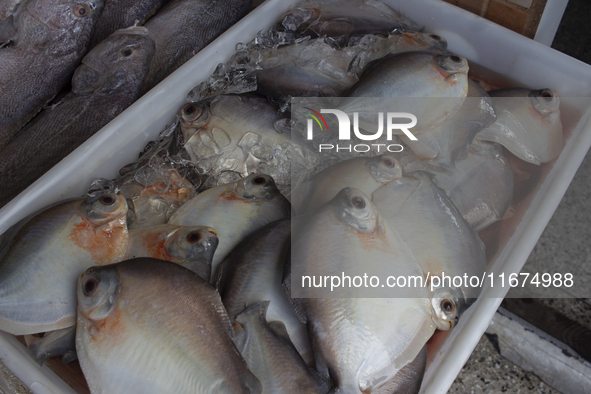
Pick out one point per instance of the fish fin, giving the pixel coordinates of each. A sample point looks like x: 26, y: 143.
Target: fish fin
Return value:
x: 239, y: 335
x: 69, y: 356
x: 286, y: 284
x: 35, y: 354
x: 279, y: 328
x: 253, y: 385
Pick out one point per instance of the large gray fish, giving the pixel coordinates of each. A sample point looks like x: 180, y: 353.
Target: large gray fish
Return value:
x: 235, y: 210
x: 192, y: 247
x: 442, y: 145
x: 431, y: 87
x: 481, y: 185
x: 359, y: 343
x: 184, y: 27
x: 52, y: 36
x: 341, y: 17
x: 270, y: 355
x: 107, y: 82
x: 253, y: 272
x: 441, y: 240
x: 120, y: 14
x: 42, y: 259
x: 364, y: 173
x: 317, y: 68
x: 149, y: 327
x: 528, y: 123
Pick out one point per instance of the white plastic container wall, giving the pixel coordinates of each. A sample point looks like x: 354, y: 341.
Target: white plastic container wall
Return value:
x: 525, y: 62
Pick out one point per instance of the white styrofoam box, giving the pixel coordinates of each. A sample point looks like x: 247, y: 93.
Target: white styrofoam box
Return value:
x: 525, y: 61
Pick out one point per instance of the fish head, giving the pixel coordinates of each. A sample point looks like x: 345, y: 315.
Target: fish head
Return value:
x: 106, y: 208
x: 42, y: 19
x: 192, y: 116
x: 97, y: 291
x: 447, y: 305
x: 354, y: 208
x: 545, y: 101
x: 257, y: 187
x: 429, y: 40
x: 119, y: 62
x: 385, y: 168
x: 192, y: 243
x: 450, y: 65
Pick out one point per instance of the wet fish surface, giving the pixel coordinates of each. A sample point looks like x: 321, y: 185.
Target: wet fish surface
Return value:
x: 51, y: 39
x: 106, y: 83
x: 149, y: 326
x: 42, y: 260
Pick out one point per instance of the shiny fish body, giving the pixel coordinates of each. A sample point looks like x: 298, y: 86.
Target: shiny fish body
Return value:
x: 359, y: 343
x: 528, y: 124
x: 235, y: 210
x: 191, y: 247
x: 432, y: 87
x: 149, y: 327
x: 44, y: 258
x: 365, y: 174
x: 52, y: 37
x: 184, y: 27
x: 317, y: 68
x: 271, y: 356
x: 442, y: 145
x: 253, y: 272
x: 481, y: 186
x: 107, y: 82
x: 438, y: 236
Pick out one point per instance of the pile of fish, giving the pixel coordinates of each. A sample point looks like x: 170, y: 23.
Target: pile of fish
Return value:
x: 99, y: 47
x: 185, y: 274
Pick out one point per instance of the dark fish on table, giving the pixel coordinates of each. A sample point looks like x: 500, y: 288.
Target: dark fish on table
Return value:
x: 119, y: 14
x: 107, y: 82
x: 184, y: 27
x: 51, y: 37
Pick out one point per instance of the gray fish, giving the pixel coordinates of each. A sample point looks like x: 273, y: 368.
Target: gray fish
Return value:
x: 253, y: 272
x: 147, y: 326
x: 184, y: 27
x: 271, y: 356
x: 106, y: 83
x: 440, y: 239
x: 235, y: 210
x: 528, y: 124
x: 52, y: 36
x: 42, y: 259
x: 120, y: 14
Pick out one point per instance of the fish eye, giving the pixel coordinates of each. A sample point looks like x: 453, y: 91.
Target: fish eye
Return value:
x: 388, y: 163
x: 90, y: 287
x: 80, y: 10
x: 107, y: 200
x: 126, y: 52
x: 189, y: 109
x: 358, y: 202
x: 259, y: 180
x: 547, y: 96
x: 447, y: 306
x: 435, y: 37
x: 193, y: 237
x: 455, y: 58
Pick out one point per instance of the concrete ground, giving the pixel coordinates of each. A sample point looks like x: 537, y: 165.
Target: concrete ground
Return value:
x: 564, y: 246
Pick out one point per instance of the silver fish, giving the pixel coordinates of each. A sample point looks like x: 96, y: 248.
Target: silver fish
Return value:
x: 43, y: 259
x: 359, y: 343
x: 431, y: 87
x: 149, y: 326
x: 440, y: 239
x: 271, y: 356
x: 365, y: 174
x: 51, y: 40
x: 192, y: 247
x: 528, y: 124
x: 235, y: 210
